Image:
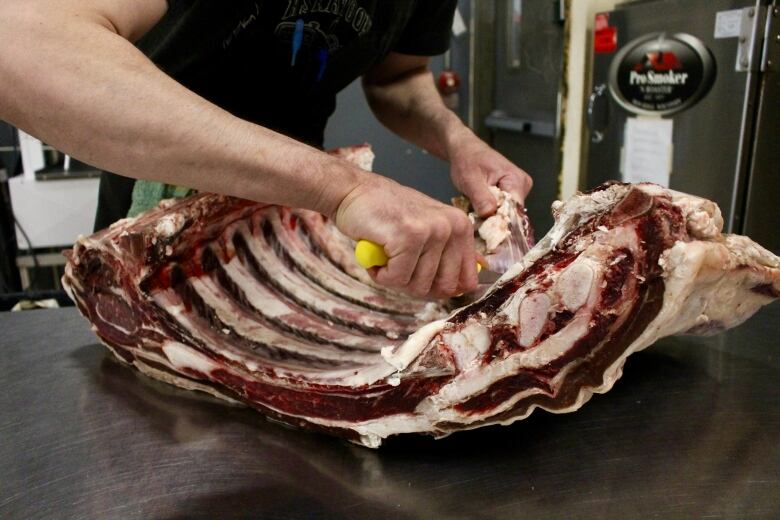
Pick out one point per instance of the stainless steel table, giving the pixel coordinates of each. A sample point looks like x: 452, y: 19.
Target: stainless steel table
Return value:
x: 691, y: 430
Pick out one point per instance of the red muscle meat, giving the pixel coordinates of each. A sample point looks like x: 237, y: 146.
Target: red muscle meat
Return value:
x: 265, y: 305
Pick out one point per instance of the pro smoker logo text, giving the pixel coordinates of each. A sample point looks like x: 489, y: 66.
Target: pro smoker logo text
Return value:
x: 658, y: 68
x: 661, y: 74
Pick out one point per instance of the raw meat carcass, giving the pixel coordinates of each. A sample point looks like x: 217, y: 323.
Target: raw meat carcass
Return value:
x: 264, y: 305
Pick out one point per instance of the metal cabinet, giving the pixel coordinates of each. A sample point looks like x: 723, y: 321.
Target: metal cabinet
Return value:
x: 724, y: 138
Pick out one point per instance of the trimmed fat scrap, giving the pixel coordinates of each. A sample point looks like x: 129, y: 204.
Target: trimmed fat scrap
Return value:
x: 265, y: 305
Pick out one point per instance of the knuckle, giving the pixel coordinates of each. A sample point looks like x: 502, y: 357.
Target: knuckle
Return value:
x: 467, y: 178
x: 440, y: 231
x: 415, y: 230
x: 447, y: 290
x: 403, y: 279
x: 383, y: 278
x: 470, y: 284
x: 417, y: 290
x: 446, y: 287
x: 462, y: 226
x: 452, y: 213
x: 395, y: 278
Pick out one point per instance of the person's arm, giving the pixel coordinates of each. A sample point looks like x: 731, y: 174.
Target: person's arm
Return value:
x: 403, y: 96
x: 70, y: 76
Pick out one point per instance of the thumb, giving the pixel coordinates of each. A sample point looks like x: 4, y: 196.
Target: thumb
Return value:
x: 478, y: 192
x: 517, y: 185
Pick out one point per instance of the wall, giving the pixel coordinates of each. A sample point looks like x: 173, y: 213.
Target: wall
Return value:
x: 353, y: 123
x: 581, y: 19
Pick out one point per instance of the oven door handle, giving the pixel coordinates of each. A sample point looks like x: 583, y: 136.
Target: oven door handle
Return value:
x: 598, y: 113
x: 499, y: 120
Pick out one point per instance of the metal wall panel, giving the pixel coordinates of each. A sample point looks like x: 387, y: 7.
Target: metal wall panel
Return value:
x: 711, y: 139
x: 762, y: 218
x: 353, y: 123
x: 524, y: 117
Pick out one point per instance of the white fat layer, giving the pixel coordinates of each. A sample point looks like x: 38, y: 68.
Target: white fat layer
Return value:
x: 402, y: 355
x: 468, y: 344
x: 70, y: 284
x: 702, y: 217
x: 704, y: 284
x: 187, y: 384
x: 373, y: 432
x: 494, y: 231
x: 354, y: 378
x: 430, y: 311
x: 168, y: 225
x: 183, y: 357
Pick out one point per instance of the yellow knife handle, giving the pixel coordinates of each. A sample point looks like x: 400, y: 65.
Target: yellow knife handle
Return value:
x: 370, y: 254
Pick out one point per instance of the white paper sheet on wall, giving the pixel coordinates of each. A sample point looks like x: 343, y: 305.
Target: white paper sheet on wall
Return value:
x: 728, y: 24
x: 648, y: 149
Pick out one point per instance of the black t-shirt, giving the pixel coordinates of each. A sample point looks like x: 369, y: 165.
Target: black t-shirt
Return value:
x: 280, y: 63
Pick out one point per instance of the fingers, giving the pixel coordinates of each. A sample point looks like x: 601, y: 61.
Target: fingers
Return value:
x: 429, y: 245
x: 457, y: 272
x: 443, y: 265
x: 477, y: 189
x: 404, y: 251
x: 516, y: 182
x: 428, y: 265
x: 477, y: 167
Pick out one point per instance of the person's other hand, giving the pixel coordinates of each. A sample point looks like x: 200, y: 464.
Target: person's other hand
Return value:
x: 430, y: 245
x: 475, y: 167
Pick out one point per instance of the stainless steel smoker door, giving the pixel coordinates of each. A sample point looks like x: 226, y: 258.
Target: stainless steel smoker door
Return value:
x: 709, y: 157
x: 762, y: 218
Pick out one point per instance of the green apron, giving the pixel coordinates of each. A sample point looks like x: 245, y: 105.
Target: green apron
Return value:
x: 147, y: 194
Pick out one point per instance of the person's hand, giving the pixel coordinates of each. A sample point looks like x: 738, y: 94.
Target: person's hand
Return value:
x: 475, y: 167
x: 430, y: 245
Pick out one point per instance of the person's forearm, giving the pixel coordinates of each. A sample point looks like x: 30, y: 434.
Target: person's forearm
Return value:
x: 410, y: 106
x: 81, y: 87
